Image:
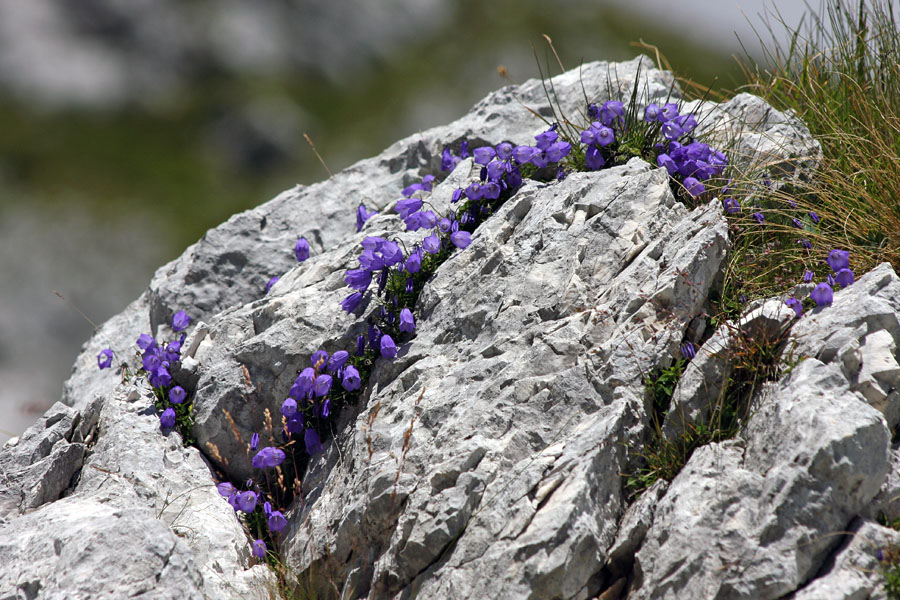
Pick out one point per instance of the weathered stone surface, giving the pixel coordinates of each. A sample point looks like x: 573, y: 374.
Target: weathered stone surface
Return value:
x: 81, y: 548
x: 39, y: 466
x: 854, y: 573
x: 703, y: 383
x: 634, y: 525
x: 142, y: 514
x: 860, y: 333
x: 756, y: 518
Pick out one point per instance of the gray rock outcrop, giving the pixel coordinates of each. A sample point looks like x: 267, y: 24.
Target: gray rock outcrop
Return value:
x: 487, y: 459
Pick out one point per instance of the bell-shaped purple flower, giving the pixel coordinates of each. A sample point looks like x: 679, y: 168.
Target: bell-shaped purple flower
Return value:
x: 807, y: 276
x: 105, y: 358
x: 407, y: 206
x: 246, y: 501
x: 351, y: 302
x: 267, y: 458
x: 180, y: 321
x: 276, y: 521
x: 431, y: 244
x: 388, y: 347
x: 593, y: 159
x: 491, y: 190
x: 338, y: 360
x: 483, y: 155
x: 414, y: 262
x: 160, y: 377
x: 226, y: 489
x: 167, y: 418
x: 814, y: 217
x: 254, y: 442
x: 407, y: 322
x: 145, y: 342
x: 319, y: 359
x: 444, y: 225
x: 289, y: 407
x: 504, y: 150
x: 351, y: 380
x: 558, y: 150
x: 259, y: 549
x: 604, y: 136
x: 392, y: 253
x: 795, y: 305
x: 312, y: 442
x: 687, y: 351
x: 666, y: 161
x: 671, y: 130
x: 295, y: 423
x: 461, y: 239
x: 301, y: 249
x: 303, y: 384
x: 473, y: 191
x: 177, y: 395
x: 693, y: 186
x: 838, y: 259
x: 759, y: 217
x: 822, y: 295
x: 731, y: 205
x: 524, y: 154
x: 370, y: 260
x: 544, y: 140
x: 844, y: 277
x: 669, y: 112
x: 362, y: 215
x: 651, y: 112
x: 271, y: 282
x: 358, y: 279
x: 612, y: 111
x: 322, y: 385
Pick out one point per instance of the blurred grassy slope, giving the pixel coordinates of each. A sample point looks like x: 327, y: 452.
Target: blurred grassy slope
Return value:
x: 160, y: 161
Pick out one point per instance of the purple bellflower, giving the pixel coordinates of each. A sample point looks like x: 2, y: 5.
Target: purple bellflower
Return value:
x: 351, y: 380
x: 105, y: 358
x: 388, y: 347
x: 167, y: 418
x: 362, y: 215
x: 180, y: 321
x: 795, y: 305
x: 268, y: 458
x: 407, y: 322
x: 822, y: 295
x: 838, y: 259
x: 177, y: 395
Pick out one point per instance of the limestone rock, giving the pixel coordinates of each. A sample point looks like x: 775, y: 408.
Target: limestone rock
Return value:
x: 854, y: 571
x: 756, y: 518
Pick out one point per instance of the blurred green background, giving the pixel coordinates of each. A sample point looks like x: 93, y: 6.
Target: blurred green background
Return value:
x: 129, y: 129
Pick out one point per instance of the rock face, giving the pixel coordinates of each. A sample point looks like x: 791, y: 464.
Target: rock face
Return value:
x: 486, y: 460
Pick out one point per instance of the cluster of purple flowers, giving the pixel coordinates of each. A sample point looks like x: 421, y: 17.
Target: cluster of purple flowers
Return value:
x: 309, y: 399
x: 823, y: 293
x: 684, y: 157
x: 156, y: 361
x: 602, y: 133
x: 248, y: 502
